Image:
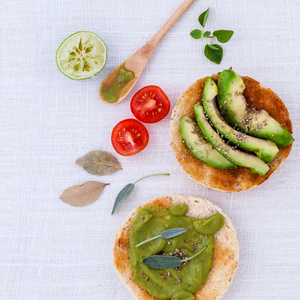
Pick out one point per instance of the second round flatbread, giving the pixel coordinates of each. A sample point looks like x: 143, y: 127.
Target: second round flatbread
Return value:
x: 226, y: 251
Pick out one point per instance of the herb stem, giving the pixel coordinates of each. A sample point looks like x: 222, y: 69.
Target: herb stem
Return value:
x: 148, y: 240
x: 166, y: 174
x: 189, y: 258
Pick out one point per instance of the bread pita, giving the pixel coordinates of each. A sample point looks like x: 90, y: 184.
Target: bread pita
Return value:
x: 240, y: 179
x: 226, y: 251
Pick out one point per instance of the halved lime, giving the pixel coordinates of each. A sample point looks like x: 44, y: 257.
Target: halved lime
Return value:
x: 82, y: 55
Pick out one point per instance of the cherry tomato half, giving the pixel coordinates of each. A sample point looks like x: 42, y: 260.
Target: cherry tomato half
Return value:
x: 150, y: 104
x: 129, y: 137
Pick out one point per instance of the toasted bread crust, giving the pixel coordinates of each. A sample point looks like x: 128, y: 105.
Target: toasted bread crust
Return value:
x: 226, y: 251
x: 240, y: 179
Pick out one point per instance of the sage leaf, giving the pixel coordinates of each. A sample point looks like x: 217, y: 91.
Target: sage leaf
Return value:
x: 203, y: 18
x: 99, y: 163
x: 167, y: 234
x: 198, y: 253
x: 123, y: 195
x: 170, y: 233
x: 196, y: 34
x: 162, y: 262
x: 223, y: 36
x: 206, y: 34
x: 128, y: 189
x: 214, y: 53
x: 167, y: 262
x: 82, y: 195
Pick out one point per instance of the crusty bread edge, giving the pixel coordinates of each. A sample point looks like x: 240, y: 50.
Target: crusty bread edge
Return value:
x: 223, y: 266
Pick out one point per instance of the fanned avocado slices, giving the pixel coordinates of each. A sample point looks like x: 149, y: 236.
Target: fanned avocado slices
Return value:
x: 238, y: 157
x: 194, y: 141
x: 265, y: 150
x: 253, y: 122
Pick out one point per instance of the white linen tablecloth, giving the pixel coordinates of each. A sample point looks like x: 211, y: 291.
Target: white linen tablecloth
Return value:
x: 50, y: 250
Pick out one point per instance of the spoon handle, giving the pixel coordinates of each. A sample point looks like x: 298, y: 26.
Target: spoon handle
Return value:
x: 139, y: 59
x: 167, y: 26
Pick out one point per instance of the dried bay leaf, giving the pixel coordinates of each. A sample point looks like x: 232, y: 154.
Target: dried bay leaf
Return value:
x: 82, y: 195
x: 99, y: 163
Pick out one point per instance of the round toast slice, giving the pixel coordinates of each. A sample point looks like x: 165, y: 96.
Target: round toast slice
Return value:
x: 226, y: 251
x: 241, y: 179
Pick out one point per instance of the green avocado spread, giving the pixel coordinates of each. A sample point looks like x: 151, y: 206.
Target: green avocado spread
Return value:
x: 117, y: 84
x: 178, y: 283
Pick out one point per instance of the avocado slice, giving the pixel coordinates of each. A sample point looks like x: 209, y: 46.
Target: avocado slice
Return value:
x: 231, y: 100
x: 194, y: 141
x: 254, y: 122
x: 238, y: 157
x: 265, y: 150
x: 259, y: 123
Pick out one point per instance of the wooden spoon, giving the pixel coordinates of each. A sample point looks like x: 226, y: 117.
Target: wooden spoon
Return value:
x: 137, y: 62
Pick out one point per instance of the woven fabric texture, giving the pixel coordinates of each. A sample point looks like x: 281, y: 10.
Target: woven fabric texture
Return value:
x: 50, y: 250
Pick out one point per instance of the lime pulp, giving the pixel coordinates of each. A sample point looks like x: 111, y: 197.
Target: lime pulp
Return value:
x: 81, y: 55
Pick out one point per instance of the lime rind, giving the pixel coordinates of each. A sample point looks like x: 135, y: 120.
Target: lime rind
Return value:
x: 82, y: 55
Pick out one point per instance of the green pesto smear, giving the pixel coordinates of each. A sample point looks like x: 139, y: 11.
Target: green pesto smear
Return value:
x: 179, y: 283
x: 117, y: 84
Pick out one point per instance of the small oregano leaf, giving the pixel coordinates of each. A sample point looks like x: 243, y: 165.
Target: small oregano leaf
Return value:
x: 203, y: 18
x: 82, y: 195
x: 214, y: 53
x: 196, y: 34
x: 99, y: 163
x: 206, y: 34
x: 223, y: 36
x: 214, y: 47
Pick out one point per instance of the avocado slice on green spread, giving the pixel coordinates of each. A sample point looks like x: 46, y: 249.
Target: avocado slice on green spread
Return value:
x: 238, y: 157
x: 253, y: 122
x: 265, y: 150
x: 194, y: 141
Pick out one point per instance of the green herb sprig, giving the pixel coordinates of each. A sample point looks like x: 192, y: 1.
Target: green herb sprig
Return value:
x: 167, y: 262
x: 128, y: 189
x: 167, y: 234
x: 213, y: 52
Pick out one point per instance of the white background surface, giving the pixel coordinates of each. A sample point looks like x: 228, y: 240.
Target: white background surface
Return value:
x: 49, y: 250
